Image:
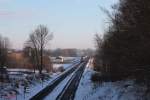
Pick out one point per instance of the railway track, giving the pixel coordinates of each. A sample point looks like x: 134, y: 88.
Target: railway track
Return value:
x: 69, y: 90
x: 48, y: 89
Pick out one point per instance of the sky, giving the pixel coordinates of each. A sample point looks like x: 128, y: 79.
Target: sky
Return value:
x: 73, y: 22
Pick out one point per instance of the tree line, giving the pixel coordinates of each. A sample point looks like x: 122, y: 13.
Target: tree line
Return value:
x: 123, y: 51
x: 71, y: 52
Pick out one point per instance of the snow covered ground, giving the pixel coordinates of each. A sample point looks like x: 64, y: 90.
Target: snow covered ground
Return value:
x: 120, y: 90
x: 33, y: 88
x: 87, y: 90
x: 65, y: 66
x: 35, y: 84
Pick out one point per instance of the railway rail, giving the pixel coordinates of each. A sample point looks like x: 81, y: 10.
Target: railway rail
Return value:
x: 69, y: 90
x: 48, y: 89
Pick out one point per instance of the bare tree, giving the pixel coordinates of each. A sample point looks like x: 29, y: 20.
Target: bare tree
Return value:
x: 98, y: 43
x: 38, y: 41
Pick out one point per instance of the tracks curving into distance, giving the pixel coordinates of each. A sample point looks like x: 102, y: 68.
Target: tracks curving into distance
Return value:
x: 48, y: 89
x: 69, y: 90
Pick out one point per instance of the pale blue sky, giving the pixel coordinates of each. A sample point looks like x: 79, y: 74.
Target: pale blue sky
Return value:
x: 74, y: 22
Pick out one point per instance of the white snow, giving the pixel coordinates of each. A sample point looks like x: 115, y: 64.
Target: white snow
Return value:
x: 17, y: 69
x: 35, y: 86
x: 120, y: 90
x: 65, y: 66
x: 35, y: 89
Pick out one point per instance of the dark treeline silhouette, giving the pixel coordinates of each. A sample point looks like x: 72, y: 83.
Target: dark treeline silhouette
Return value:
x: 124, y: 49
x: 64, y: 52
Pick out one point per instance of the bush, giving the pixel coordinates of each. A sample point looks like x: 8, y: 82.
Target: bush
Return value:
x: 96, y: 77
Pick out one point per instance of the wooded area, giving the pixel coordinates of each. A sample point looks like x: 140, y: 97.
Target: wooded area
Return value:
x: 124, y: 49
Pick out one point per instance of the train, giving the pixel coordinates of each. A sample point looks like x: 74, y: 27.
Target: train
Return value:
x: 83, y: 58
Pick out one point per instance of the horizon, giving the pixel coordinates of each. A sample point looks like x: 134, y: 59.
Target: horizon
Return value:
x: 70, y: 21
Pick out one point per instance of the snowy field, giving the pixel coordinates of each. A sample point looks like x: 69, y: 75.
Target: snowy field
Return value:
x: 120, y: 90
x: 65, y: 66
x: 24, y: 87
x: 27, y: 85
